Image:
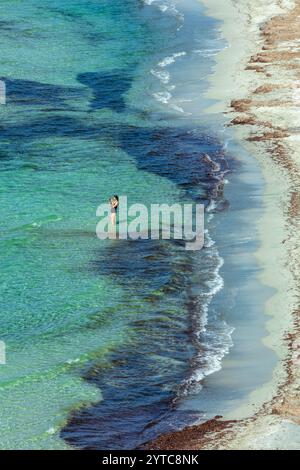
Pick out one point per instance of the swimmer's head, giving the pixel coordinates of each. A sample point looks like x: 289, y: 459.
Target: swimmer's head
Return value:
x: 114, y: 199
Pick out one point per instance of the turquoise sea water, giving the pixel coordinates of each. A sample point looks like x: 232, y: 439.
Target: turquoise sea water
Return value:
x: 104, y: 338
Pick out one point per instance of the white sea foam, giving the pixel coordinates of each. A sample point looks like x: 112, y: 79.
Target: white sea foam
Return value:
x: 162, y: 75
x: 177, y: 108
x: 172, y: 9
x: 211, y: 206
x: 166, y: 7
x: 208, y: 240
x: 51, y: 431
x: 73, y: 361
x: 163, y: 7
x: 171, y: 59
x: 163, y: 96
x: 216, y: 344
x: 213, y: 335
x: 207, y: 52
x: 216, y: 285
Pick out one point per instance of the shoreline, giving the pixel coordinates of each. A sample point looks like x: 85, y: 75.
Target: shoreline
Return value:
x: 254, y: 83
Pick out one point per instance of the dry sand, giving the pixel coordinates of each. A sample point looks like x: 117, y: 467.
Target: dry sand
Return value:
x: 256, y: 82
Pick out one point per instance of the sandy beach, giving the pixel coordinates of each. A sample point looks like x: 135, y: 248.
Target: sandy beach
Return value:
x: 255, y: 84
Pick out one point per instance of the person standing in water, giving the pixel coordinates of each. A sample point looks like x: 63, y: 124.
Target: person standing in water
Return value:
x: 114, y: 202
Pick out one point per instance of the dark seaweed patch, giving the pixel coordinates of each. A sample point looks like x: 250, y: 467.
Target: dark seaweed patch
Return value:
x: 26, y: 92
x: 108, y: 88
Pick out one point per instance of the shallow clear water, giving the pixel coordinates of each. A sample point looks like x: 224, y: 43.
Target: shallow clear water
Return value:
x: 103, y: 98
